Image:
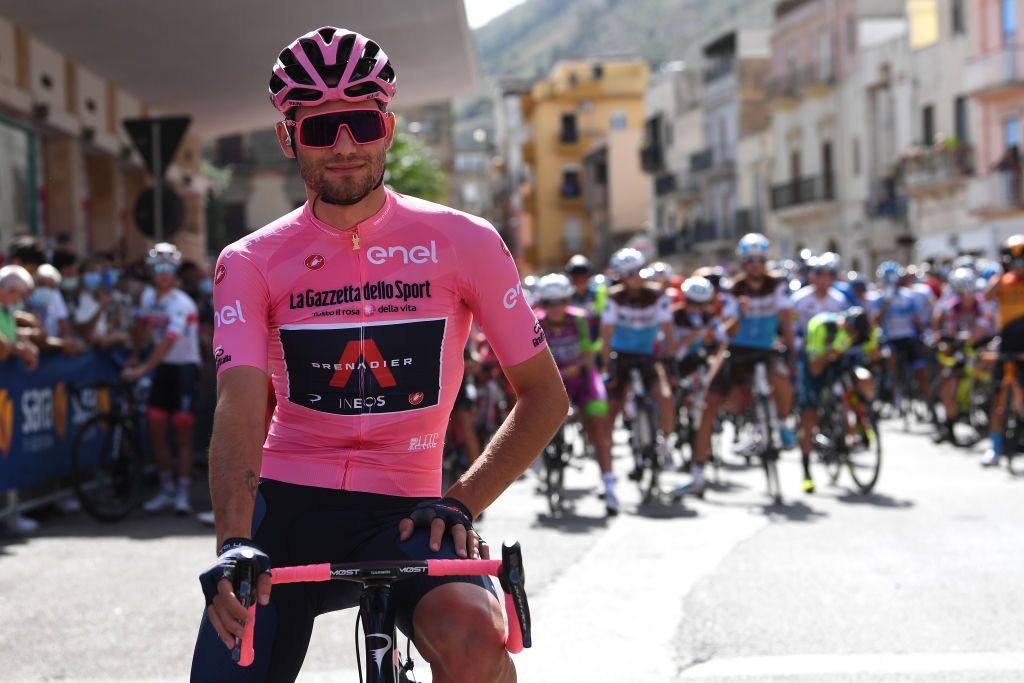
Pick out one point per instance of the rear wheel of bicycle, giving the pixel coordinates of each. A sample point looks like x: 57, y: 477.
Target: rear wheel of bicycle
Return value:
x: 647, y: 435
x: 107, y: 467
x: 769, y: 453
x: 555, y: 458
x: 830, y: 442
x: 864, y: 449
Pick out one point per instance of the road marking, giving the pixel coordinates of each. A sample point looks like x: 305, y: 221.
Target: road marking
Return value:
x: 838, y: 664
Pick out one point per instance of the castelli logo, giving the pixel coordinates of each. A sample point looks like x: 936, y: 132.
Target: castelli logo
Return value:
x: 416, y: 398
x: 315, y: 261
x: 219, y: 275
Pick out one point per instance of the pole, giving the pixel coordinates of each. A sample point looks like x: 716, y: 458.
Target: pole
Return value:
x: 158, y: 186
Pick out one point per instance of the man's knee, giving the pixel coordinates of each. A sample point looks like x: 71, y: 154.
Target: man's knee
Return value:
x: 459, y: 628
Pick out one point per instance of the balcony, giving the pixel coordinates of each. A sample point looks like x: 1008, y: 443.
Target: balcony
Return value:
x: 995, y: 194
x: 996, y: 71
x: 800, y: 191
x: 805, y: 80
x: 665, y: 184
x: 746, y: 220
x: 701, y: 162
x: 652, y: 159
x: 670, y: 244
x: 935, y: 170
x: 704, y: 231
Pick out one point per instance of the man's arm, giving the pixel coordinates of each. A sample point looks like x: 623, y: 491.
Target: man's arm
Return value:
x: 236, y: 449
x: 541, y: 406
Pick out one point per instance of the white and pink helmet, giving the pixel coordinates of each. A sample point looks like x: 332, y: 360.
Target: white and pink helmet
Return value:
x: 331, y: 64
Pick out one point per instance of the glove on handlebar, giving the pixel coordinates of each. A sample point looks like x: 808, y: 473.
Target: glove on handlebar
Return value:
x: 238, y: 559
x: 452, y: 511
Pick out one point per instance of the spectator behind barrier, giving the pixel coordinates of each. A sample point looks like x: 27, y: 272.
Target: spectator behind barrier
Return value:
x: 15, y: 285
x: 102, y: 313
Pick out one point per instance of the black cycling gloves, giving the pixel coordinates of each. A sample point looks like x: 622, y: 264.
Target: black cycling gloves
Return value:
x: 239, y: 560
x: 452, y: 511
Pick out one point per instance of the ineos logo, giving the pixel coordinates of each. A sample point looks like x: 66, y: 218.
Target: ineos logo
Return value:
x: 511, y: 295
x: 418, y: 254
x: 229, y: 314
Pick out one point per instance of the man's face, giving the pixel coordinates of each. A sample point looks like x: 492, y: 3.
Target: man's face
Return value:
x: 580, y: 282
x: 754, y: 266
x: 824, y: 280
x: 347, y: 172
x: 12, y: 297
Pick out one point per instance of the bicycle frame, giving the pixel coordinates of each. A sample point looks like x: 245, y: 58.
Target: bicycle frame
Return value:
x: 375, y: 610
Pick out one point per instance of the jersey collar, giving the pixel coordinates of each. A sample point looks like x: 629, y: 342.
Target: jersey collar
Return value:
x: 365, y: 227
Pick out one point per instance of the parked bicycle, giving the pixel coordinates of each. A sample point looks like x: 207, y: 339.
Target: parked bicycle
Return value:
x: 107, y: 461
x: 376, y: 614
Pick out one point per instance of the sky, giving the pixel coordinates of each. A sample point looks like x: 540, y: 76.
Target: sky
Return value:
x: 479, y: 12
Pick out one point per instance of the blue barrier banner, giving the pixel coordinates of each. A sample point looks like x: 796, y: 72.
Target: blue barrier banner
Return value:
x: 39, y: 413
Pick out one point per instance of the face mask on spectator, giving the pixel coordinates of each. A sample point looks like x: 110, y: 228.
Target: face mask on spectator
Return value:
x: 92, y: 281
x: 110, y: 277
x: 206, y: 287
x: 69, y: 284
x: 39, y: 298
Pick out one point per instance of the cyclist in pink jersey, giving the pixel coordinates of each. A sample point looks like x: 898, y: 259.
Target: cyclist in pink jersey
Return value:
x: 360, y: 303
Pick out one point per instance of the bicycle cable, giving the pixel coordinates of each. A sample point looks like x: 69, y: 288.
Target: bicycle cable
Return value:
x: 359, y: 661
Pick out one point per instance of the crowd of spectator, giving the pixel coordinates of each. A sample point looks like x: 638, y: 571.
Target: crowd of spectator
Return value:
x: 56, y: 301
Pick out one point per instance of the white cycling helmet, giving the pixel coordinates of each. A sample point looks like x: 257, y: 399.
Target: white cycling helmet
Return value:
x: 554, y: 287
x: 699, y: 290
x: 828, y: 262
x: 753, y: 244
x: 963, y: 281
x: 163, y: 252
x: 626, y: 262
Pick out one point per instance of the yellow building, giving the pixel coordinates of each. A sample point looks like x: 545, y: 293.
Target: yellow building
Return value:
x: 578, y: 109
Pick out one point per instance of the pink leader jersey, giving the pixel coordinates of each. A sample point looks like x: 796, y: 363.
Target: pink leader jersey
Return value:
x: 363, y: 331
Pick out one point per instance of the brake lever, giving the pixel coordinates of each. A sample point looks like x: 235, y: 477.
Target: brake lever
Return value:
x: 245, y: 590
x: 513, y: 582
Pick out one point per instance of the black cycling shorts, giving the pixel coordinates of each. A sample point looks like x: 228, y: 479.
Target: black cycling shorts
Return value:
x: 619, y: 369
x: 298, y: 525
x: 175, y: 388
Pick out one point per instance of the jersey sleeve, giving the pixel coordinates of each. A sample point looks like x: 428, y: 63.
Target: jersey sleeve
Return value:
x: 782, y: 300
x: 490, y: 286
x: 241, y: 305
x: 177, y: 320
x: 817, y: 339
x: 730, y: 306
x: 610, y: 313
x: 664, y: 310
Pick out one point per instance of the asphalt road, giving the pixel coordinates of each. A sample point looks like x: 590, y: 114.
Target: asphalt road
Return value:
x: 920, y: 581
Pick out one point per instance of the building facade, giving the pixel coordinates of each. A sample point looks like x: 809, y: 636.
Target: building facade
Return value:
x: 580, y: 108
x: 67, y: 166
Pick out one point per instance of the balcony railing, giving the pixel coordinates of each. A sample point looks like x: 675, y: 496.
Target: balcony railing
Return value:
x: 1000, y: 68
x: 792, y: 84
x: 936, y: 167
x: 805, y: 190
x: 746, y: 220
x: 996, y: 192
x: 652, y: 159
x: 702, y: 161
x: 719, y: 68
x: 665, y: 184
x: 704, y: 231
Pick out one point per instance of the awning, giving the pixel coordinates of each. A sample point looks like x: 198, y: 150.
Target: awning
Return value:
x: 211, y: 59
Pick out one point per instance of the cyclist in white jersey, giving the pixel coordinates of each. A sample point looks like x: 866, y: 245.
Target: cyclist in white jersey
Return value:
x: 174, y: 362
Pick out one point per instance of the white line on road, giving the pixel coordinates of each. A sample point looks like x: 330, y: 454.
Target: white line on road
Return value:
x: 835, y: 664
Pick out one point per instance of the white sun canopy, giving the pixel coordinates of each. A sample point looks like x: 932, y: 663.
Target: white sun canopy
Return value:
x: 211, y: 59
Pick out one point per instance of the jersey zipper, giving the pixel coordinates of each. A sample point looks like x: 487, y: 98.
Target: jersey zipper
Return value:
x: 361, y: 269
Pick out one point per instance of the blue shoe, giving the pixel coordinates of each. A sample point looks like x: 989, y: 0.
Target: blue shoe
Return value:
x: 788, y: 438
x: 690, y: 488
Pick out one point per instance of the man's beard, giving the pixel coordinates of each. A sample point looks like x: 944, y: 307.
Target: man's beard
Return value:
x: 345, y: 190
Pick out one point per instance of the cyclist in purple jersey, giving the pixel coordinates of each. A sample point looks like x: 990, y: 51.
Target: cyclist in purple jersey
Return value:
x: 569, y: 339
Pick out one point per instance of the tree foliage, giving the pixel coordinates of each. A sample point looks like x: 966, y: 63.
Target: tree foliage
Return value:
x: 412, y: 170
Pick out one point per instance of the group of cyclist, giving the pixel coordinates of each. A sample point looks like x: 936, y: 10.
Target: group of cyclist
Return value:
x: 806, y: 320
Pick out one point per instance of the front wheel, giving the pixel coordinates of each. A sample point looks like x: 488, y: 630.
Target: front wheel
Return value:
x: 864, y: 448
x: 647, y: 444
x: 107, y: 467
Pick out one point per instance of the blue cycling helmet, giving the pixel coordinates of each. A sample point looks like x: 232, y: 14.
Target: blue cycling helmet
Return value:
x: 890, y: 272
x: 753, y: 244
x: 989, y: 269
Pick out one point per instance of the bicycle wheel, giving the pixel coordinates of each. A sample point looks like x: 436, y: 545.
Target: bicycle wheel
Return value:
x: 769, y: 453
x: 863, y: 448
x: 829, y: 440
x: 555, y: 458
x: 107, y: 467
x: 646, y: 427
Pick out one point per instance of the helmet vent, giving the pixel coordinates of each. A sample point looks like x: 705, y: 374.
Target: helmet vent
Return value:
x: 387, y: 74
x: 363, y: 89
x: 327, y: 34
x: 304, y: 95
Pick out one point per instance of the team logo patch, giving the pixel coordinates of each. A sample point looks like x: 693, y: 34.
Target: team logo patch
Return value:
x: 352, y: 369
x: 315, y: 261
x: 219, y: 275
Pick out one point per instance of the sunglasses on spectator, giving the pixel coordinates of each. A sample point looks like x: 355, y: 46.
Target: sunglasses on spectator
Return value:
x: 164, y: 268
x: 321, y: 131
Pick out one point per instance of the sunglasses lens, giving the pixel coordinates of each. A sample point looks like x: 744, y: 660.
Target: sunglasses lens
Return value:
x: 322, y: 130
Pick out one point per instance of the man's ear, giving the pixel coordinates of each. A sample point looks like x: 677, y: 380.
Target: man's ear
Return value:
x: 284, y: 138
x: 389, y: 117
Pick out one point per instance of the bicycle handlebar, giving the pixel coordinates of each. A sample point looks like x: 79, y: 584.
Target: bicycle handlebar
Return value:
x: 508, y: 570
